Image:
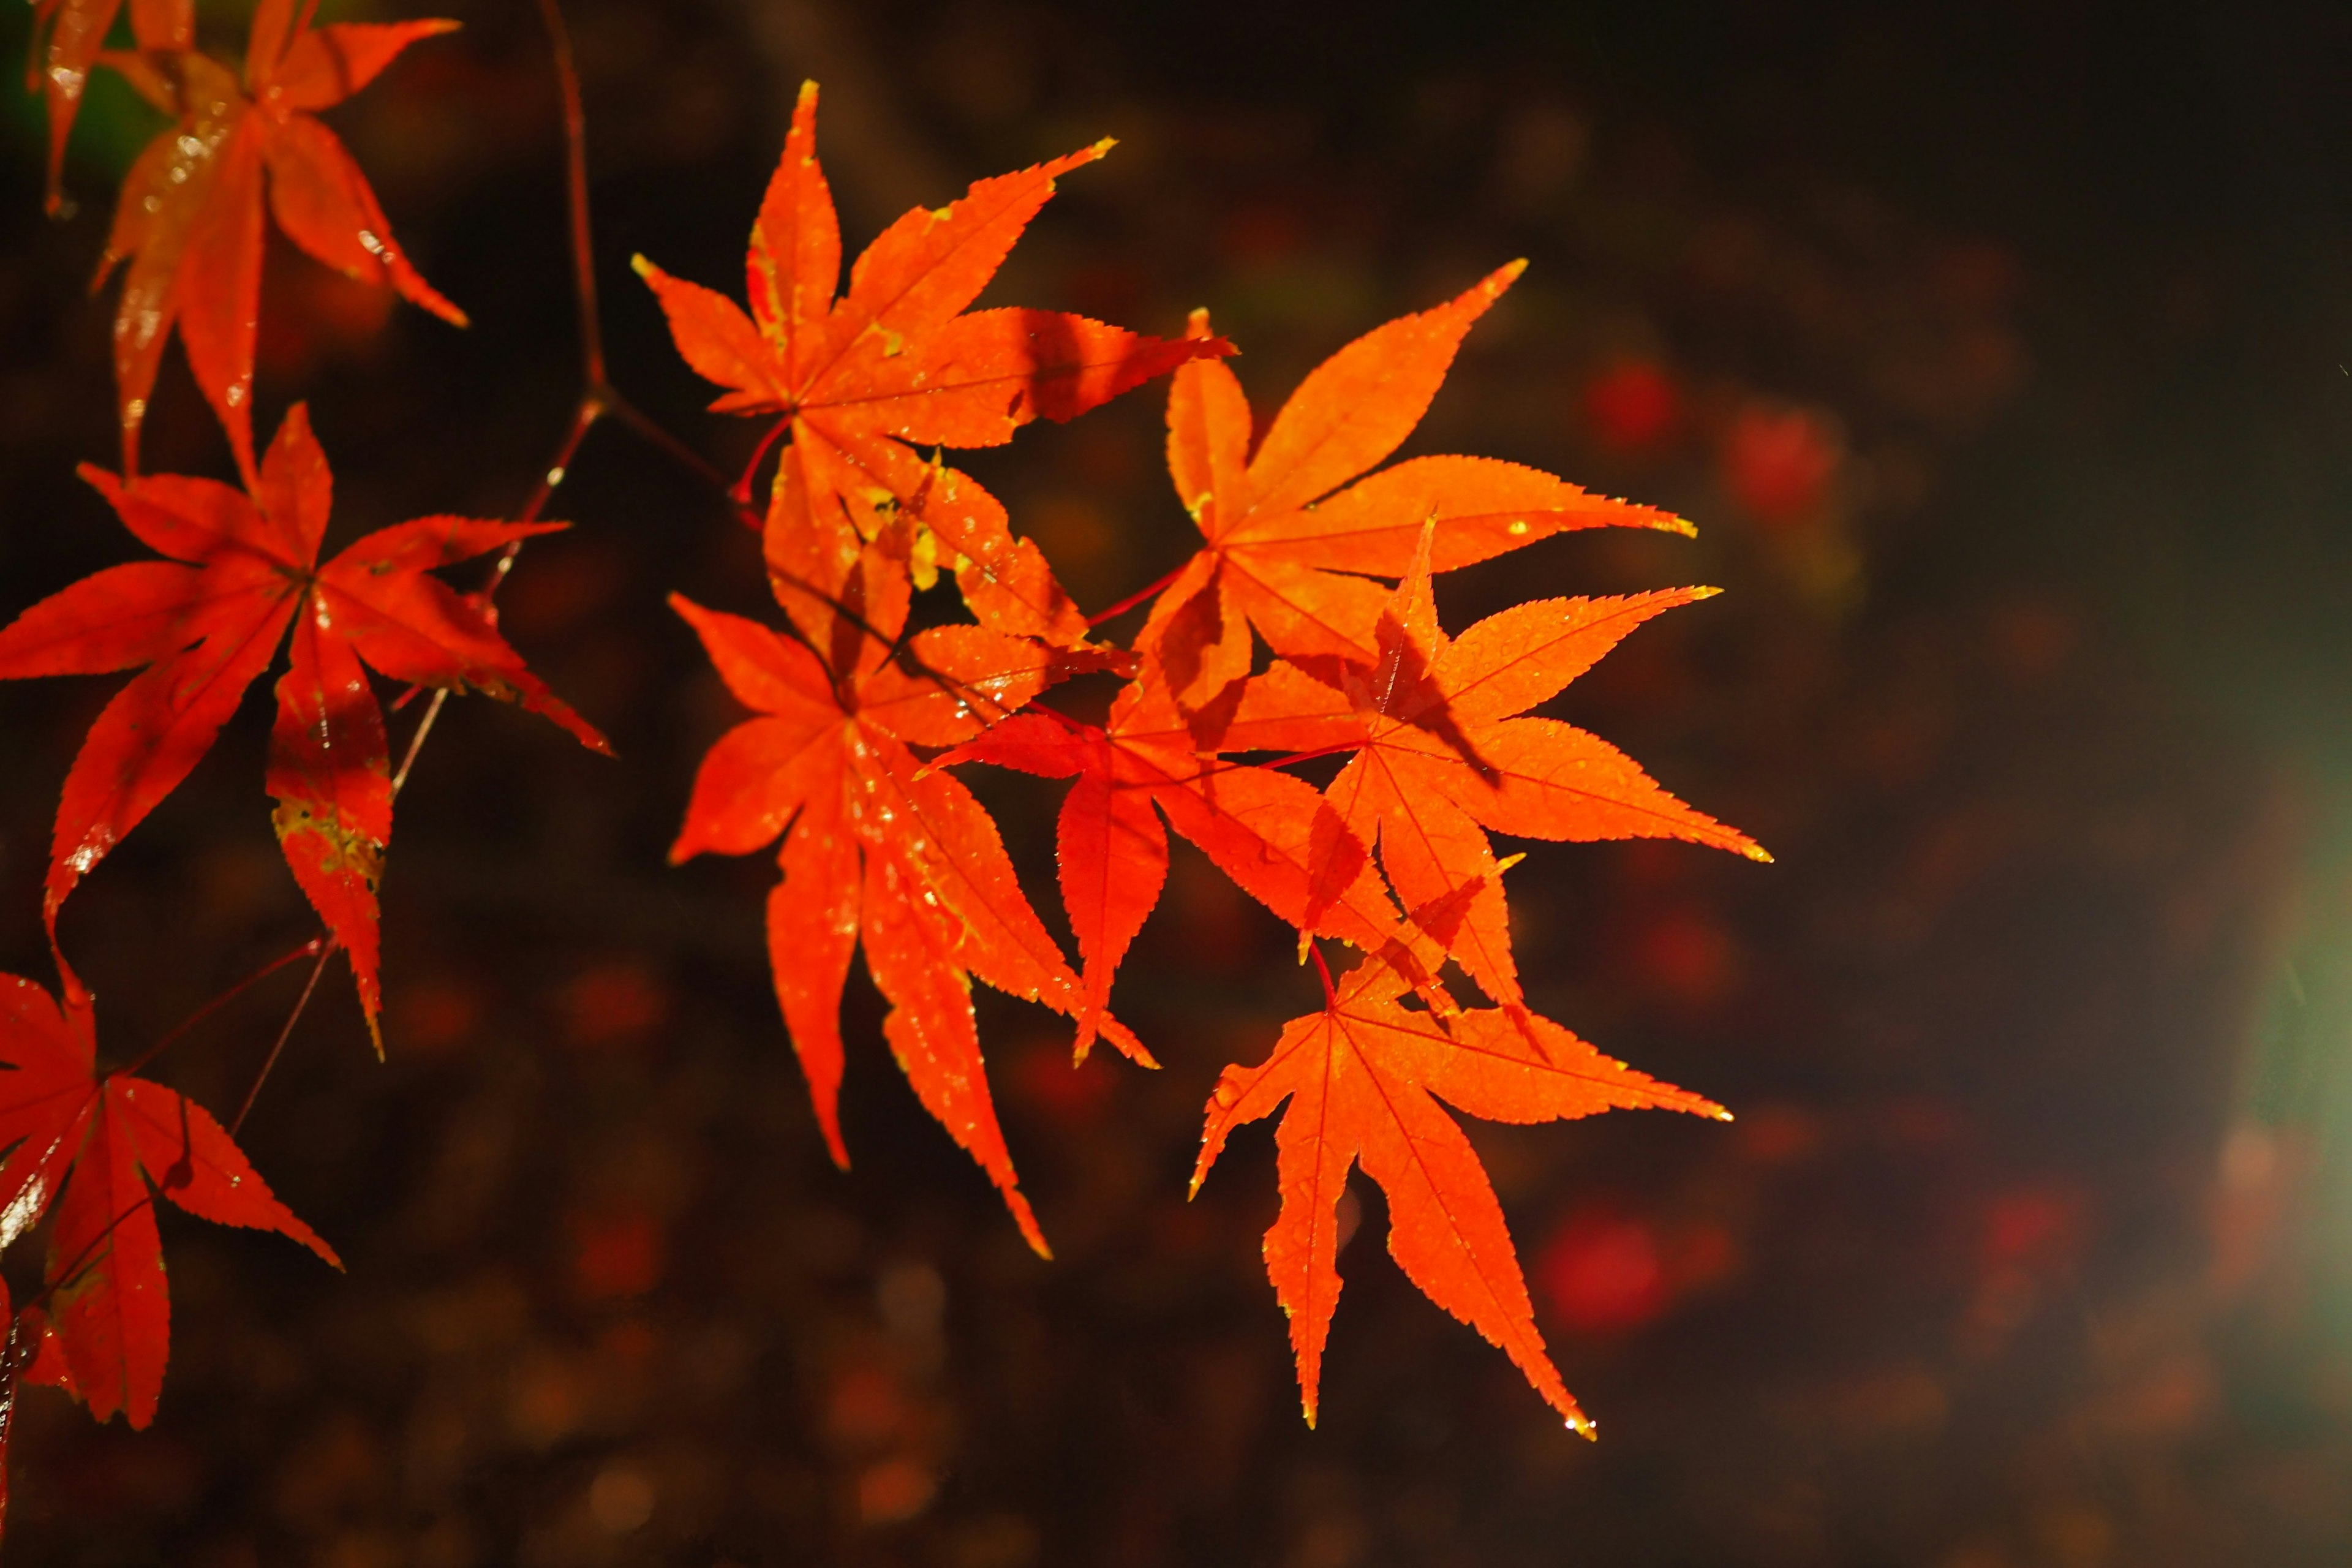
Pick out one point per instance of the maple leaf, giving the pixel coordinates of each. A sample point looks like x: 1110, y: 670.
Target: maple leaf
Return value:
x: 1290, y: 542
x: 67, y: 38
x: 103, y: 1146
x: 880, y: 848
x: 189, y: 218
x: 1272, y: 834
x: 1364, y: 1077
x: 898, y: 360
x: 209, y: 620
x: 1444, y: 751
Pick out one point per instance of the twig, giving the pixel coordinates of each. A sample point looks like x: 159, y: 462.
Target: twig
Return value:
x: 1135, y: 598
x: 218, y: 1002
x: 636, y: 419
x: 300, y: 1003
x: 576, y: 169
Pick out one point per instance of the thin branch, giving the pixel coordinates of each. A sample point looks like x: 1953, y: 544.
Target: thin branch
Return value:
x: 594, y: 405
x: 301, y: 1002
x: 307, y: 949
x: 1134, y: 599
x: 576, y: 169
x: 644, y: 424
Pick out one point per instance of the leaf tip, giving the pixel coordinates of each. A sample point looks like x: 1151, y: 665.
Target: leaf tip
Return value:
x: 1103, y: 146
x: 1758, y: 852
x: 1698, y: 594
x: 642, y: 267
x: 1667, y: 523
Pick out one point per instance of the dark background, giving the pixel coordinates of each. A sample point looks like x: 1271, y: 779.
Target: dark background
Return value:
x: 1997, y: 351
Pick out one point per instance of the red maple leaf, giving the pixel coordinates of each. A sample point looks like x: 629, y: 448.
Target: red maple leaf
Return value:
x: 1364, y: 1077
x: 104, y: 1146
x: 189, y: 218
x: 1289, y: 540
x: 68, y: 36
x: 1444, y: 751
x: 209, y: 620
x: 879, y: 847
x: 898, y: 360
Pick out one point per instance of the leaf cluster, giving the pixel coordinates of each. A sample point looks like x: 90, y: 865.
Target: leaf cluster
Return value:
x: 1304, y: 626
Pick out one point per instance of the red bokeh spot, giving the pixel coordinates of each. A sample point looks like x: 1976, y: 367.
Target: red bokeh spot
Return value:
x: 436, y: 1013
x: 1602, y: 1270
x: 1778, y: 1134
x: 1689, y: 956
x: 1067, y: 1092
x: 613, y: 1004
x: 618, y: 1256
x: 1633, y: 405
x: 315, y: 314
x: 1778, y: 462
x: 2032, y: 1227
x: 1262, y: 233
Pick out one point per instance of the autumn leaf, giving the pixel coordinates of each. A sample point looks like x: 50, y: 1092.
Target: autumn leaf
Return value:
x: 104, y: 1146
x: 207, y: 621
x: 1364, y: 1078
x: 189, y: 218
x: 880, y: 849
x: 898, y: 362
x: 1272, y: 834
x: 1291, y: 533
x: 68, y: 36
x: 1442, y: 751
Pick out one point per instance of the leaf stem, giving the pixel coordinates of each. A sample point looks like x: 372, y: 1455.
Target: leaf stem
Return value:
x: 741, y: 492
x: 1135, y: 598
x: 301, y: 1004
x: 575, y: 171
x: 645, y: 424
x: 307, y: 949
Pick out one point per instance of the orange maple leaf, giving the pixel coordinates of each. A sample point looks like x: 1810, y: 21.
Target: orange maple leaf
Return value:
x: 898, y: 360
x: 1364, y: 1077
x: 1444, y: 751
x: 189, y: 218
x: 1272, y: 834
x: 1290, y: 542
x: 880, y: 849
